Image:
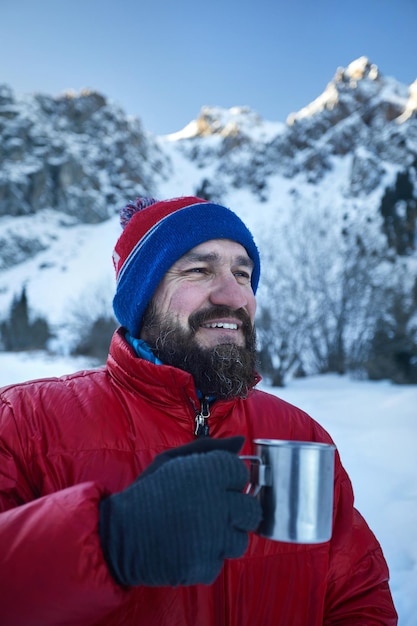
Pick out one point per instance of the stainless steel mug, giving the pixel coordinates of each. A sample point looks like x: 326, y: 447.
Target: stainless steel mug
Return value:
x: 293, y: 481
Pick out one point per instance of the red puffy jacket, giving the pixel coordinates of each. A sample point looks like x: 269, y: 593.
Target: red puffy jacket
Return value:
x: 66, y: 443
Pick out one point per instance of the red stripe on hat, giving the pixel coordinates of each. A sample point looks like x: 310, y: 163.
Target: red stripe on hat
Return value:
x: 142, y: 222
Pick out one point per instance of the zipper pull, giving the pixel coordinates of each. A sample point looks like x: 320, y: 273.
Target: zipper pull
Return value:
x: 202, y: 428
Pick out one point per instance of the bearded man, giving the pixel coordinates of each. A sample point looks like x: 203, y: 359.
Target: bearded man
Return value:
x: 121, y: 490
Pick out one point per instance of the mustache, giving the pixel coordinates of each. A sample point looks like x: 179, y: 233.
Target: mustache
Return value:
x: 204, y: 316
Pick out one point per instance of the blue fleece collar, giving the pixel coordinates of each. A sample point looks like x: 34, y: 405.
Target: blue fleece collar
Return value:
x: 142, y: 349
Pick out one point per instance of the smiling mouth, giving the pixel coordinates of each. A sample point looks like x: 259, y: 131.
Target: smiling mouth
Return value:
x: 225, y: 325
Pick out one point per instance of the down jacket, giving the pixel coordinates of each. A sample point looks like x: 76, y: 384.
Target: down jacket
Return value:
x: 67, y: 442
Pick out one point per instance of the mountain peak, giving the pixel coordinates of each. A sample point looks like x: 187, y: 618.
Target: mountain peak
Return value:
x: 359, y: 86
x: 359, y: 69
x: 226, y: 123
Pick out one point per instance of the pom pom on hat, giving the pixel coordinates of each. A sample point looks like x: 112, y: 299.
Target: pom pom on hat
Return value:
x: 155, y: 235
x: 127, y: 212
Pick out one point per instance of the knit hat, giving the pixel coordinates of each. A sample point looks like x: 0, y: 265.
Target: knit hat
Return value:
x: 156, y: 234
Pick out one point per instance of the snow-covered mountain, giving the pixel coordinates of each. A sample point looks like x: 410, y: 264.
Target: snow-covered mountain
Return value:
x: 344, y: 164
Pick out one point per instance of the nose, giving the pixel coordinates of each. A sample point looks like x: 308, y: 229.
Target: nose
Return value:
x: 228, y: 292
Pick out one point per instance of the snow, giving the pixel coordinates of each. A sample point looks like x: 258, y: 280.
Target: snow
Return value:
x: 77, y: 260
x: 374, y: 425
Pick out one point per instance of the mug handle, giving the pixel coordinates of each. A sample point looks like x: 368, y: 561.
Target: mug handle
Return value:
x: 257, y: 474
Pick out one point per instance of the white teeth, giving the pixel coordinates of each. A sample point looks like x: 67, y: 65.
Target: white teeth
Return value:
x: 221, y: 325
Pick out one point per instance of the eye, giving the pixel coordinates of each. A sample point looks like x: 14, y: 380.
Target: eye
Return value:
x: 196, y: 270
x: 242, y: 276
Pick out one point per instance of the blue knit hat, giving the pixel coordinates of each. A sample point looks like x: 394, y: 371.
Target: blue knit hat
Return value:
x: 156, y: 234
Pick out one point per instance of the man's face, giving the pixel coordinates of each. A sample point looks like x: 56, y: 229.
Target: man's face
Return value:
x: 201, y: 317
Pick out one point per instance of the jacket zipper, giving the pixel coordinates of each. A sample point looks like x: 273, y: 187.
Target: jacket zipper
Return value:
x: 202, y: 428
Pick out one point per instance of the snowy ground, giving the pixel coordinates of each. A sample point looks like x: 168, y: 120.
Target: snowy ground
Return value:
x: 375, y: 428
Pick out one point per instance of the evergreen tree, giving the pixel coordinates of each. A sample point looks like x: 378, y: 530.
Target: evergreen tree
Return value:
x: 393, y: 350
x: 96, y: 337
x: 399, y: 211
x: 19, y: 333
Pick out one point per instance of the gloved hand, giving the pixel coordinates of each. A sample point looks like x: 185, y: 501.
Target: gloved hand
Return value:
x: 181, y: 518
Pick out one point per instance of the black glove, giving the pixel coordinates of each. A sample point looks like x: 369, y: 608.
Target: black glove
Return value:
x: 181, y: 518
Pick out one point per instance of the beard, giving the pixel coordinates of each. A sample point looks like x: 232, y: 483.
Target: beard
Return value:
x: 225, y: 370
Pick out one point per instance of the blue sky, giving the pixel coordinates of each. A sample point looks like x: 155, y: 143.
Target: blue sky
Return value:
x: 162, y: 60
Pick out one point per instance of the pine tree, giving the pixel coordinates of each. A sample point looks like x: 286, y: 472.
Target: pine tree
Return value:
x: 18, y: 333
